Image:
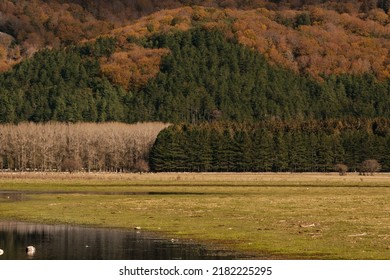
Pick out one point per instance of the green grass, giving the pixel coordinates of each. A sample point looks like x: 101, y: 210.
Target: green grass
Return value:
x: 277, y: 216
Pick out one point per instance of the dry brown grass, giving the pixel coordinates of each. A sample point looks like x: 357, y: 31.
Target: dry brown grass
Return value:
x: 290, y: 179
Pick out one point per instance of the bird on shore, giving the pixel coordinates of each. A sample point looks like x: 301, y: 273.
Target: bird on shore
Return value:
x: 30, y: 251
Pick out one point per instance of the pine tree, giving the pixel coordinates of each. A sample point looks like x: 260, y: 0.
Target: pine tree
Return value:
x: 262, y: 150
x: 242, y: 146
x: 279, y: 153
x: 226, y: 157
x: 216, y: 149
x: 168, y: 152
x: 297, y: 159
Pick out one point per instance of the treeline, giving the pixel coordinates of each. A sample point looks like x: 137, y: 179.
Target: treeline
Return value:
x: 341, y: 6
x: 306, y: 146
x: 111, y: 147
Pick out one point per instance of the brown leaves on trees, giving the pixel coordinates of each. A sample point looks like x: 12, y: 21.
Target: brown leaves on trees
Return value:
x: 134, y: 67
x: 327, y: 43
x: 337, y: 38
x: 46, y: 24
x: 334, y: 43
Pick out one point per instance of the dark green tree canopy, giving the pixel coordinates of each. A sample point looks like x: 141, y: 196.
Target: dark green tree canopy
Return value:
x: 279, y: 146
x: 205, y: 77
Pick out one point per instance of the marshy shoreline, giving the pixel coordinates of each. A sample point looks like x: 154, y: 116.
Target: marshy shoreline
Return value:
x: 261, y: 215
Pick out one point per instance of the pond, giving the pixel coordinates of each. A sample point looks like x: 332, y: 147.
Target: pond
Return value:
x: 65, y: 242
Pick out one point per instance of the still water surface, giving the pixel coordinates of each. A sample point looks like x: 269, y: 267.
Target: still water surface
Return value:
x: 65, y: 242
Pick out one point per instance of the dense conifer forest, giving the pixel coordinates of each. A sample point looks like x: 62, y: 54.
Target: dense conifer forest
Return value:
x: 61, y: 85
x: 204, y: 77
x: 207, y: 77
x: 248, y: 85
x: 278, y: 146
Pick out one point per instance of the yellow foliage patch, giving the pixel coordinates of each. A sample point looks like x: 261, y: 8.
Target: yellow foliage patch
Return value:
x: 134, y: 67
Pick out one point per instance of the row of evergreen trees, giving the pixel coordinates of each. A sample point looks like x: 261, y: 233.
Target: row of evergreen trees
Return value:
x: 314, y: 146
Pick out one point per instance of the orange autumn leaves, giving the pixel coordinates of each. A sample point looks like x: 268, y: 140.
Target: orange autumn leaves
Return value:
x: 132, y: 68
x: 132, y: 65
x: 349, y: 42
x: 332, y: 43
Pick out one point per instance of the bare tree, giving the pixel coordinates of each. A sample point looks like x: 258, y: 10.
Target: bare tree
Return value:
x: 141, y: 166
x: 369, y: 166
x: 341, y: 169
x: 71, y: 165
x: 72, y: 147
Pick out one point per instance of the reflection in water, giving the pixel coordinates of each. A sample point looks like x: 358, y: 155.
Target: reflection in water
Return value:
x: 64, y: 242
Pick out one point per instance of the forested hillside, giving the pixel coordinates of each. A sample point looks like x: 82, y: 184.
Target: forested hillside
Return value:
x: 63, y: 85
x: 314, y: 37
x: 29, y: 26
x: 204, y: 77
x: 207, y: 77
x: 236, y: 72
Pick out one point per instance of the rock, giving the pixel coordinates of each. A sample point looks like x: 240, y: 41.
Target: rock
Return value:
x: 30, y: 251
x: 358, y: 235
x: 306, y: 226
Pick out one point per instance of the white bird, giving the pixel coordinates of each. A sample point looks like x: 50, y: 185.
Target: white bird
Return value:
x: 30, y: 251
x: 1, y: 252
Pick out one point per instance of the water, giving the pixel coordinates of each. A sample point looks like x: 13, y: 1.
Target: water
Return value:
x: 11, y: 196
x: 65, y: 242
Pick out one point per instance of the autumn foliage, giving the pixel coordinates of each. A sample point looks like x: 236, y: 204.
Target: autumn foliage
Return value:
x: 311, y: 37
x: 318, y: 41
x: 134, y: 67
x: 193, y: 61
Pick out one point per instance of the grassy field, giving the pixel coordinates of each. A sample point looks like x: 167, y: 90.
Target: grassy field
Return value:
x: 274, y: 216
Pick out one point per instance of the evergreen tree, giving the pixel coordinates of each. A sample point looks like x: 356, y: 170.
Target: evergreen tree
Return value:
x: 279, y: 153
x: 242, y: 146
x: 262, y: 150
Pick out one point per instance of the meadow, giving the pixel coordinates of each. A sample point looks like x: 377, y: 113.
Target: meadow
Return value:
x: 259, y: 215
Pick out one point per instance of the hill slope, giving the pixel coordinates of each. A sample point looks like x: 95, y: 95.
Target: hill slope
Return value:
x: 197, y: 64
x: 203, y: 77
x: 255, y: 79
x: 315, y: 37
